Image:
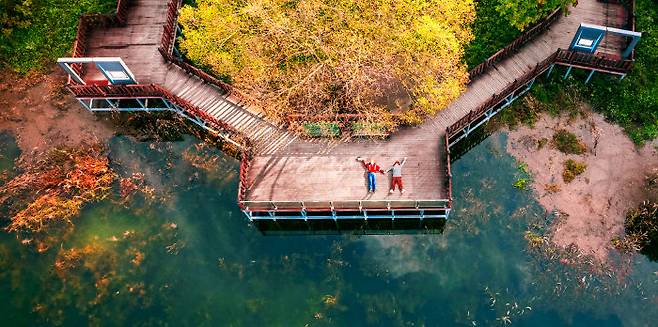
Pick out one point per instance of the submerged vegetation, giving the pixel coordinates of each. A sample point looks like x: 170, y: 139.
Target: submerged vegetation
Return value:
x: 49, y: 193
x: 34, y: 33
x: 376, y: 59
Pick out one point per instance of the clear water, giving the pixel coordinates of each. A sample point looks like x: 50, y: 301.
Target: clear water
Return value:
x: 203, y: 264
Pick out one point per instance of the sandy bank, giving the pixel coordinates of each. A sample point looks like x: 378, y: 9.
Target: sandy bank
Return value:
x: 596, y: 202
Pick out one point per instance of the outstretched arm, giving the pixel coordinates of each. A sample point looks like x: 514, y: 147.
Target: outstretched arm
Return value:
x: 403, y: 161
x: 363, y: 161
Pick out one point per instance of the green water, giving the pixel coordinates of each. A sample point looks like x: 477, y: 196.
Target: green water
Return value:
x: 204, y: 265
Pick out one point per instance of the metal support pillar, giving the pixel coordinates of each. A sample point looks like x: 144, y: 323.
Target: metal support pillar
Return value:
x: 567, y: 73
x: 589, y: 76
x: 550, y: 70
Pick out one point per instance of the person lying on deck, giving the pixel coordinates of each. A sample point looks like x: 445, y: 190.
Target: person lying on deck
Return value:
x: 372, y: 168
x: 397, y: 175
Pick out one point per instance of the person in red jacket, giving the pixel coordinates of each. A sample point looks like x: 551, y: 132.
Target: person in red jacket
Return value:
x: 372, y: 168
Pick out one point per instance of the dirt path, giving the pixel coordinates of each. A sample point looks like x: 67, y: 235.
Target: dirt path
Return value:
x: 596, y: 202
x: 42, y: 114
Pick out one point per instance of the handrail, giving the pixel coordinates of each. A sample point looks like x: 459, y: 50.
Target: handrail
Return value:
x: 153, y: 90
x: 588, y: 60
x: 344, y: 205
x: 448, y: 170
x: 245, y: 164
x: 567, y: 57
x: 497, y: 98
x: 516, y: 44
x: 166, y: 49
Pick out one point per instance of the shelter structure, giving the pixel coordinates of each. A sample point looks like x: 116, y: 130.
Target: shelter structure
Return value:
x: 127, y: 62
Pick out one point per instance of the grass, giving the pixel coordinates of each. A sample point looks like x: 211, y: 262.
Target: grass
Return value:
x: 572, y: 168
x: 49, y: 32
x: 567, y: 142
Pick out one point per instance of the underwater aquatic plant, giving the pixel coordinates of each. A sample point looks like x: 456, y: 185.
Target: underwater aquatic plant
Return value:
x: 52, y: 190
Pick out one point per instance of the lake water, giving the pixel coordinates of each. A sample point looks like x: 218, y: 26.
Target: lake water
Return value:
x: 187, y: 256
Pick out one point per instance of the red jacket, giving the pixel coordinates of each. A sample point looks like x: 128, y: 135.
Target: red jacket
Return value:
x: 373, y: 168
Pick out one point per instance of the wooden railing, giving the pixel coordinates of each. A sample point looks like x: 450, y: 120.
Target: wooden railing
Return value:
x: 497, y: 98
x: 88, y: 22
x: 513, y: 47
x: 245, y: 165
x: 167, y: 44
x: 563, y: 57
x: 448, y: 170
x: 156, y: 91
x: 592, y: 61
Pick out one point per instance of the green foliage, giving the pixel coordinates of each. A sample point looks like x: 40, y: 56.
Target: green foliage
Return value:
x: 499, y: 22
x: 642, y: 224
x: 522, y: 183
x: 523, y: 13
x: 633, y: 102
x: 36, y: 32
x: 567, y: 142
x: 572, y: 168
x: 491, y: 33
x: 523, y: 177
x: 321, y: 129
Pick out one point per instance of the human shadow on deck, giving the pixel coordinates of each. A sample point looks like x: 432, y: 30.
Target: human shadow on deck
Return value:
x: 351, y: 227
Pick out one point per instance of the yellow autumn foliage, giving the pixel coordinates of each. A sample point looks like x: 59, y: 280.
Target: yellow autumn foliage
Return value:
x: 315, y: 57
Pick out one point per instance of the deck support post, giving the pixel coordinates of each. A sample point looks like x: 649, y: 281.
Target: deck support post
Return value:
x: 248, y: 214
x: 550, y: 70
x: 141, y: 103
x: 532, y: 82
x: 591, y: 73
x: 567, y: 73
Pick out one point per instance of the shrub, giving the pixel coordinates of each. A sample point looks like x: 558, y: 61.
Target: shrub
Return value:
x: 321, y: 129
x: 522, y: 13
x: 36, y: 32
x: 567, y: 142
x: 642, y: 225
x: 572, y: 169
x: 369, y: 129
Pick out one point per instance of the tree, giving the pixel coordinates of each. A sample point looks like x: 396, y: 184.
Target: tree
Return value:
x: 523, y: 13
x: 313, y: 57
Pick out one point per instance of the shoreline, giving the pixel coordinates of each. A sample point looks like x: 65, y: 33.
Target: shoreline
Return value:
x: 593, y: 206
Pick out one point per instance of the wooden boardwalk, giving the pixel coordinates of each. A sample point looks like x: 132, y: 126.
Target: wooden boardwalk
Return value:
x: 286, y: 168
x: 137, y: 44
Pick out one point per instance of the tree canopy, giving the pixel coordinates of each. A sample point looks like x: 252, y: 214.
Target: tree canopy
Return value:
x: 315, y: 57
x: 522, y: 13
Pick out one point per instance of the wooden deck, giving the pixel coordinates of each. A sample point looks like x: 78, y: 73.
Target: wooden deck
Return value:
x: 286, y: 168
